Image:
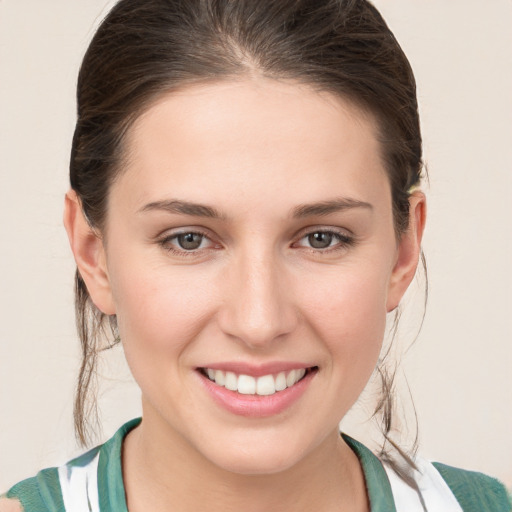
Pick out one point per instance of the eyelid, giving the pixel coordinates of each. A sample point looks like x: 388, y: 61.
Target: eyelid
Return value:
x: 344, y: 232
x: 171, y: 232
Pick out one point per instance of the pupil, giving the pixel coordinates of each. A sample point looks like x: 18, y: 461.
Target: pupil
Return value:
x: 190, y: 241
x: 320, y: 240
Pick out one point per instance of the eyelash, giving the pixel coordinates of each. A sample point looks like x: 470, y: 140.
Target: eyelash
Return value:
x: 344, y: 241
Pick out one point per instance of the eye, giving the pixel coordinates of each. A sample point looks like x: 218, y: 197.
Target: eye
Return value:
x: 322, y: 240
x: 186, y: 242
x: 190, y: 241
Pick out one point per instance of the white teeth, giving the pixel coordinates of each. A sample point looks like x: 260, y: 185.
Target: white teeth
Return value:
x: 220, y: 378
x: 231, y: 381
x: 248, y: 385
x: 291, y: 378
x: 281, y: 381
x: 265, y: 385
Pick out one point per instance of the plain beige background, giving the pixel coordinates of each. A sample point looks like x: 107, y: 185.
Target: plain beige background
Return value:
x: 459, y: 370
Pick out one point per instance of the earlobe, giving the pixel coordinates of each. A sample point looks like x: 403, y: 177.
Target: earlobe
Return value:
x: 409, y: 250
x: 89, y: 254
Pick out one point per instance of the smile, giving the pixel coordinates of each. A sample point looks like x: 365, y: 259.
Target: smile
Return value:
x: 263, y: 385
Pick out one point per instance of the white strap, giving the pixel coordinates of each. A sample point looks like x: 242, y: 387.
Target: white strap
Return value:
x: 435, y: 492
x: 79, y: 485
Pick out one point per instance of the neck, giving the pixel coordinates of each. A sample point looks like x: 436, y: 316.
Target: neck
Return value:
x: 162, y: 471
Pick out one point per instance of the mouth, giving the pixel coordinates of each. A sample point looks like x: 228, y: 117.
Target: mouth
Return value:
x: 263, y: 385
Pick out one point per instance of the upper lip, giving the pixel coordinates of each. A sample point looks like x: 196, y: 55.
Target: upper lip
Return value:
x: 257, y: 370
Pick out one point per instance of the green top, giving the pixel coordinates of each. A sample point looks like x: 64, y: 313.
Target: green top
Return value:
x: 474, y: 491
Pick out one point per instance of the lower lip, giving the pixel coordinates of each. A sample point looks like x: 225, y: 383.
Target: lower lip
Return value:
x: 256, y: 406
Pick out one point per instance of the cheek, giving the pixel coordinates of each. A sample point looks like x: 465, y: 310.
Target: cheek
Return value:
x: 348, y: 311
x: 158, y: 311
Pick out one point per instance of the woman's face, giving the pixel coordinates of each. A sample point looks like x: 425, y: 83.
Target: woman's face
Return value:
x: 251, y: 235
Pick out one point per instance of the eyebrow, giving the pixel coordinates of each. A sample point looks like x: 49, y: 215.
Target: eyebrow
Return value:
x: 328, y: 207
x: 301, y: 211
x: 184, y: 208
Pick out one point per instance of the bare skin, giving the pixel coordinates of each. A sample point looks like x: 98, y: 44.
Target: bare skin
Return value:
x: 10, y: 505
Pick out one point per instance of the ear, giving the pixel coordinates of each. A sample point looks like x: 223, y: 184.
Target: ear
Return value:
x: 408, y: 251
x: 89, y: 253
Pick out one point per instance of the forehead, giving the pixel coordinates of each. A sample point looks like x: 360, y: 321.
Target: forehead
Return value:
x: 253, y: 138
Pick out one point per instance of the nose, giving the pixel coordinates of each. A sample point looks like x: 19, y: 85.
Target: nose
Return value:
x: 258, y: 307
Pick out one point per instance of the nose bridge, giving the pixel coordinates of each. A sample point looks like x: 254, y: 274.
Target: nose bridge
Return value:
x: 258, y: 308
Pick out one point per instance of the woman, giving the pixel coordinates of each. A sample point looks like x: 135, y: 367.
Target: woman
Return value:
x: 244, y: 212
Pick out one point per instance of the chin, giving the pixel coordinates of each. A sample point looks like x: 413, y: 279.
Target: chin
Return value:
x: 257, y: 456
x: 257, y: 464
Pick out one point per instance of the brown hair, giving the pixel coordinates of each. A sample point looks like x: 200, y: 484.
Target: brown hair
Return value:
x: 145, y: 48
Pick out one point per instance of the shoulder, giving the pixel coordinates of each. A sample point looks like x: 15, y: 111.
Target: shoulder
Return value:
x: 60, y: 488
x: 40, y: 493
x: 8, y: 505
x: 475, y: 491
x: 46, y: 492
